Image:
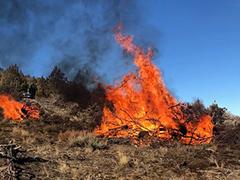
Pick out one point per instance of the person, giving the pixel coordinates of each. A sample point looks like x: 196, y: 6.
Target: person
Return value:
x: 32, y: 90
x: 24, y: 87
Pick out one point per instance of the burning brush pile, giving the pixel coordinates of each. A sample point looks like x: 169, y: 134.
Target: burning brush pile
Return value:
x: 139, y: 108
x: 17, y: 111
x: 76, y: 133
x: 141, y: 105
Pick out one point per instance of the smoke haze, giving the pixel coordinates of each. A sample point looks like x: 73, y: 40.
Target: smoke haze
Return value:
x: 71, y: 34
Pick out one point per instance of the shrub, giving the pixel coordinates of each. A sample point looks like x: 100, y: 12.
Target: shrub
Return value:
x: 43, y: 86
x: 217, y: 113
x: 13, y: 81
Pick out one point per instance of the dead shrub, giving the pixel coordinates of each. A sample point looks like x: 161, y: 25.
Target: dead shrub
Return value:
x: 228, y: 135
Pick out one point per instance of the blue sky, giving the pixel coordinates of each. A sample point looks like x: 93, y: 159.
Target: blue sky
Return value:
x: 199, y: 49
x: 197, y: 42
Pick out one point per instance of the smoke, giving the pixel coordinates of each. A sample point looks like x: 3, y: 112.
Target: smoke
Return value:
x: 72, y: 34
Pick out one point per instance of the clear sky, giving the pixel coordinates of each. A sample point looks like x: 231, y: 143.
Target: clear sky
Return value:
x: 197, y: 41
x: 199, y: 47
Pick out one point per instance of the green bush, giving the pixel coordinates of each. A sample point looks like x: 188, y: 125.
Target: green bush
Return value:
x: 13, y: 81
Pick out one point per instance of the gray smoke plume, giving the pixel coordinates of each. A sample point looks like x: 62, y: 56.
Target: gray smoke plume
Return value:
x: 72, y: 34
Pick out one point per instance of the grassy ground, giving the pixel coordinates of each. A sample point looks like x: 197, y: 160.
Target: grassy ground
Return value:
x: 73, y: 153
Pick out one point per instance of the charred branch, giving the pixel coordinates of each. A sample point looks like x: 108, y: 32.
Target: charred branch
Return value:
x: 15, y: 157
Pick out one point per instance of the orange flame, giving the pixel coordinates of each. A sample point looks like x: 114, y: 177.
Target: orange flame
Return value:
x: 201, y: 132
x: 17, y: 111
x: 141, y: 102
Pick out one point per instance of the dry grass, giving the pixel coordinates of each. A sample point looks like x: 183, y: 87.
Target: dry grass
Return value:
x: 122, y: 157
x: 76, y: 154
x: 77, y: 138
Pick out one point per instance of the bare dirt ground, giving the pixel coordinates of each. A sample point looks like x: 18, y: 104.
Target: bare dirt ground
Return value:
x: 68, y: 151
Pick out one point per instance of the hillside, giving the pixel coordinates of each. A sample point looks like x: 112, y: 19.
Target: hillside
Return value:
x: 70, y: 152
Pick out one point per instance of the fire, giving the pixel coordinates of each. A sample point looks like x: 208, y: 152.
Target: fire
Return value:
x: 142, y: 103
x: 17, y: 111
x: 201, y: 132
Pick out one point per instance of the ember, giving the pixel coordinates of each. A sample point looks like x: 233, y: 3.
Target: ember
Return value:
x: 142, y: 103
x: 17, y: 111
